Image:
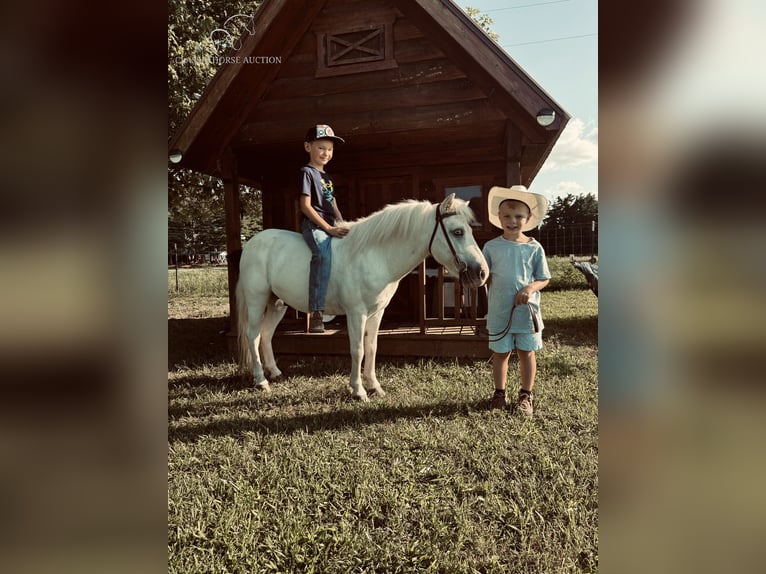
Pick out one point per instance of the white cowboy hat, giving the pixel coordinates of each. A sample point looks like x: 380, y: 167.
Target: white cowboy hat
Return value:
x: 538, y: 204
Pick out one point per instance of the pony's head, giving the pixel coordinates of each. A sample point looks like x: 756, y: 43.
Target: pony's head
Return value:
x: 452, y: 243
x: 448, y: 225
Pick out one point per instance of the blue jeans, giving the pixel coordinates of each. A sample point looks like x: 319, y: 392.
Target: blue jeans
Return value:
x: 321, y: 262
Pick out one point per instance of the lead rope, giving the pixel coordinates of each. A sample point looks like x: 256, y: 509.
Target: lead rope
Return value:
x: 494, y: 337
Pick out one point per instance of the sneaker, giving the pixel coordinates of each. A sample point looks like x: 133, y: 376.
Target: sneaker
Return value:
x: 316, y: 325
x: 524, y: 404
x: 498, y: 401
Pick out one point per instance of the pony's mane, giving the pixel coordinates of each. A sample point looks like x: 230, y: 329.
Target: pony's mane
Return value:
x: 399, y: 220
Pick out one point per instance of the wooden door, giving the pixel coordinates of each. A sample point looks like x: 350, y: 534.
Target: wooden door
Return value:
x: 374, y: 194
x: 377, y: 192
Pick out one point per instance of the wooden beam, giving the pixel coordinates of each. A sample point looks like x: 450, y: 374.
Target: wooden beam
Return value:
x: 536, y: 154
x: 422, y: 297
x: 361, y: 100
x: 380, y: 121
x: 233, y: 229
x: 417, y: 73
x: 512, y: 154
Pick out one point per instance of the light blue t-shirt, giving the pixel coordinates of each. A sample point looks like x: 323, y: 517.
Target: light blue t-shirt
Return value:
x: 513, y: 266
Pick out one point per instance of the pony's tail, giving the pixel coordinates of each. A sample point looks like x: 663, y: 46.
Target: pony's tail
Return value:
x: 245, y: 356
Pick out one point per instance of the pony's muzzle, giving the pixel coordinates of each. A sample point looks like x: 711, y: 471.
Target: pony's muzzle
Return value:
x: 475, y: 276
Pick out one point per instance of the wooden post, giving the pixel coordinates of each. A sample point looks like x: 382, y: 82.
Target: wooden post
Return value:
x: 233, y: 229
x: 573, y: 239
x: 440, y: 293
x: 474, y: 299
x: 592, y: 239
x: 458, y: 297
x: 512, y: 154
x: 175, y: 256
x: 422, y: 296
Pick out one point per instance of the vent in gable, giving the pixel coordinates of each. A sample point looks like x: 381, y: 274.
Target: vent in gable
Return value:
x: 362, y: 49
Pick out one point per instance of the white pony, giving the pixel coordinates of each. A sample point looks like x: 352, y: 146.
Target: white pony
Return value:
x: 367, y: 265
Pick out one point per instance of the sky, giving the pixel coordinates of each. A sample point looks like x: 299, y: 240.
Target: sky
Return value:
x: 556, y: 43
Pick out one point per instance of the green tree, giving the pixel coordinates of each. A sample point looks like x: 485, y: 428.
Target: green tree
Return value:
x: 568, y: 226
x: 192, y: 44
x: 195, y: 201
x: 572, y: 209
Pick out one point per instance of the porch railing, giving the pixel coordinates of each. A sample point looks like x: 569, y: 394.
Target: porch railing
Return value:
x: 464, y: 310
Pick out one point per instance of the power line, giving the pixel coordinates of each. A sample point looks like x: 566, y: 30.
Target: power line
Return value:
x: 550, y: 40
x: 526, y: 5
x: 539, y: 41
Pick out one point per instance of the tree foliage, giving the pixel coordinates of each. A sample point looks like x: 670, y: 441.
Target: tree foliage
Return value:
x: 195, y: 201
x: 571, y: 209
x: 483, y: 20
x: 192, y: 46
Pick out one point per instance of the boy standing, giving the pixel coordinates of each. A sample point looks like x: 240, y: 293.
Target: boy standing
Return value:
x: 320, y: 216
x: 518, y: 271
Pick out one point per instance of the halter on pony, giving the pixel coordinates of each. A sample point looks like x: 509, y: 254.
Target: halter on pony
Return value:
x: 461, y: 265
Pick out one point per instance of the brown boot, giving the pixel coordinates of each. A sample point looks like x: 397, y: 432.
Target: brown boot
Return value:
x: 316, y: 325
x: 524, y: 404
x: 498, y: 400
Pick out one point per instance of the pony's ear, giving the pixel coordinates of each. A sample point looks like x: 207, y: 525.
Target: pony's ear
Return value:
x: 446, y: 205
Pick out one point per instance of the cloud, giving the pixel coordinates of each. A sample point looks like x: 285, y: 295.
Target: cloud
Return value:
x: 564, y: 188
x: 577, y: 146
x: 567, y: 187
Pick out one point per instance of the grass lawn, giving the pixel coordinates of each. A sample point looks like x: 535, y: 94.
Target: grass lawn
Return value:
x: 425, y: 479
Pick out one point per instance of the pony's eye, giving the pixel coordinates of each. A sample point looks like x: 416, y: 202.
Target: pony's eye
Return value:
x: 457, y: 233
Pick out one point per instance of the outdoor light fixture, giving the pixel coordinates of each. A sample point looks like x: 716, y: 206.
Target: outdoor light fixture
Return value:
x: 176, y: 156
x: 545, y: 117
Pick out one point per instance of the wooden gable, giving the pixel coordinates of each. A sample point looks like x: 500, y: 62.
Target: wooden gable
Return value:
x: 405, y: 82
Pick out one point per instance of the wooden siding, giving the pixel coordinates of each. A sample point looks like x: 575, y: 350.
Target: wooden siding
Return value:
x: 425, y: 111
x: 444, y: 77
x: 436, y: 104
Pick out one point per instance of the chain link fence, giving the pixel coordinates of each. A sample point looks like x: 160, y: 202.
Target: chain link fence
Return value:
x: 579, y: 239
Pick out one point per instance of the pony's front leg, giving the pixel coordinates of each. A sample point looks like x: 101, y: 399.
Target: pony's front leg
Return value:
x: 370, y: 352
x: 356, y: 325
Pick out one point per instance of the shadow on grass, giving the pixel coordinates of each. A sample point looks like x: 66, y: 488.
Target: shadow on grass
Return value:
x: 577, y: 331
x: 195, y: 342
x: 276, y: 413
x: 347, y: 416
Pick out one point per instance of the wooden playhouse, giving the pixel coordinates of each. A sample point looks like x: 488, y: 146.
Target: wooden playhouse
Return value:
x: 428, y: 105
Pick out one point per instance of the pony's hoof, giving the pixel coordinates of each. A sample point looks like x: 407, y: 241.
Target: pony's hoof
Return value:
x: 362, y: 398
x: 278, y: 379
x: 263, y: 386
x: 377, y: 392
